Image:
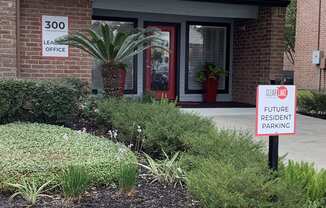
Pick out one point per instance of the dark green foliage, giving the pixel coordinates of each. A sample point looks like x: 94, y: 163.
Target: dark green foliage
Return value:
x: 40, y: 101
x: 75, y: 181
x: 306, y: 178
x: 227, y: 169
x: 163, y: 125
x: 290, y: 30
x: 312, y: 103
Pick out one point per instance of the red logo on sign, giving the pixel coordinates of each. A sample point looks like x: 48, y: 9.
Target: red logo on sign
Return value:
x: 282, y: 92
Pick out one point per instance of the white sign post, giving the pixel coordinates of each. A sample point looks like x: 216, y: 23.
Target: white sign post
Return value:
x: 54, y: 27
x: 275, y: 115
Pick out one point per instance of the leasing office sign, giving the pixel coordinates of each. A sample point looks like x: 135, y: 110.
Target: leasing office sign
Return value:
x: 54, y: 27
x: 276, y: 110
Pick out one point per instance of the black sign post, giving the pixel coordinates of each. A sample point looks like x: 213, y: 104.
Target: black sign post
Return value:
x: 273, y: 153
x: 273, y: 148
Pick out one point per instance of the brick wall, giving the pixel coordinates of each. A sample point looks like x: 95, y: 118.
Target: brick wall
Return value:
x: 7, y: 39
x: 307, y: 75
x: 257, y: 53
x: 33, y: 65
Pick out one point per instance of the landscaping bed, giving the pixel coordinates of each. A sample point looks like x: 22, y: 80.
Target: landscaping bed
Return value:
x: 147, y: 195
x: 185, y: 157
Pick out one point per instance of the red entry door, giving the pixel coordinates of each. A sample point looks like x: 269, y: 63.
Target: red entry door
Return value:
x: 160, y: 65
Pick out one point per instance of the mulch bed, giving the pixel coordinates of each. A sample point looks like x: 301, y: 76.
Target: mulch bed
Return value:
x: 147, y: 195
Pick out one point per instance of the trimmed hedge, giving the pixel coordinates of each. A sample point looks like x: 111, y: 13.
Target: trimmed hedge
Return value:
x: 55, y: 101
x: 41, y: 152
x: 312, y: 103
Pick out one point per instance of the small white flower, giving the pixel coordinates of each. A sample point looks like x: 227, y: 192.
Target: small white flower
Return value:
x: 139, y: 130
x: 84, y: 130
x: 65, y: 137
x: 130, y: 146
x: 110, y: 134
x: 115, y: 134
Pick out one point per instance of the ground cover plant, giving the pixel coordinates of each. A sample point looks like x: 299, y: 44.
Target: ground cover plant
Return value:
x: 40, y: 152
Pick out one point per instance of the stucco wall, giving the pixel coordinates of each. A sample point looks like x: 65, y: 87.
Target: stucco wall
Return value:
x: 178, y: 7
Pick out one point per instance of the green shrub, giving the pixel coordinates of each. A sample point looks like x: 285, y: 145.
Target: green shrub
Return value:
x: 42, y: 152
x: 307, y: 178
x: 127, y: 178
x: 55, y: 101
x: 75, y: 181
x: 222, y: 168
x: 227, y: 169
x: 312, y: 103
x: 163, y: 125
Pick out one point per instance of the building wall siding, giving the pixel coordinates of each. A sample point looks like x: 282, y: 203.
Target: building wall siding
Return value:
x: 33, y: 65
x: 307, y: 75
x: 7, y: 39
x: 257, y: 52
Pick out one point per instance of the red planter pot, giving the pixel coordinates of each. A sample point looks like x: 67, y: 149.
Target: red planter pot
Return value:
x: 210, y: 86
x: 122, y: 81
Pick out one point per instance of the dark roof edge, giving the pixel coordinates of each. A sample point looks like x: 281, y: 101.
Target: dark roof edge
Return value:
x: 271, y: 3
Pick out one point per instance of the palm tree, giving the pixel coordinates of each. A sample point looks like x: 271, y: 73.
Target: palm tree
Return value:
x: 112, y: 48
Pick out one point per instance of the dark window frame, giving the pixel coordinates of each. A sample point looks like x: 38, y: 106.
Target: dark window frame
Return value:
x: 227, y: 56
x: 135, y: 61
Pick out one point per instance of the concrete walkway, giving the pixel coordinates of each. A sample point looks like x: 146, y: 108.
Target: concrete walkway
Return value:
x: 308, y: 145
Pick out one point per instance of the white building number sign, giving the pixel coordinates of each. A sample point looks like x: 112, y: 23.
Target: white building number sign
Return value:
x: 276, y: 110
x: 54, y: 27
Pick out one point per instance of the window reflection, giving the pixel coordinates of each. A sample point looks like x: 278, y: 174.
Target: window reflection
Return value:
x: 207, y: 44
x: 160, y: 64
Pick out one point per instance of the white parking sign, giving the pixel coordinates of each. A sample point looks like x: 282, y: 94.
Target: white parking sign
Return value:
x: 276, y: 110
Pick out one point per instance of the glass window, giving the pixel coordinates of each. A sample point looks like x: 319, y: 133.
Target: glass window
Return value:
x: 207, y: 44
x: 160, y: 64
x: 131, y: 84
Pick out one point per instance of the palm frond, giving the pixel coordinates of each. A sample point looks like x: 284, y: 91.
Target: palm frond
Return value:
x: 111, y: 46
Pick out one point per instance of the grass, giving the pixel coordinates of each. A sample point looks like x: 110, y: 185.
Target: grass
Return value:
x: 128, y: 179
x: 75, y: 181
x: 39, y: 152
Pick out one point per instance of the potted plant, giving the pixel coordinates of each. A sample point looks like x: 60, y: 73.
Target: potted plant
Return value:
x: 111, y: 48
x: 209, y: 76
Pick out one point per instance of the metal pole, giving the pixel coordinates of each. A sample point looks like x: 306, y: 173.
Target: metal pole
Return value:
x: 273, y: 147
x: 273, y: 153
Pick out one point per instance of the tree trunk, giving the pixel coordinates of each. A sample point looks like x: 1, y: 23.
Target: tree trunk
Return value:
x: 111, y: 80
